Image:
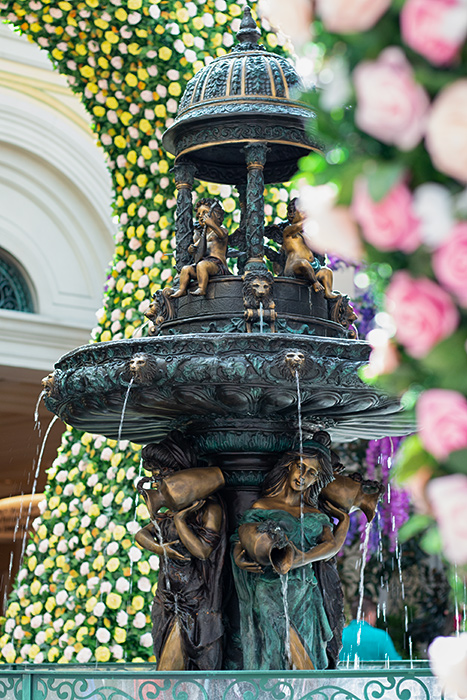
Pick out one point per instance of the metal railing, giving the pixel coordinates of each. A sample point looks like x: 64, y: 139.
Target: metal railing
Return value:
x: 142, y: 682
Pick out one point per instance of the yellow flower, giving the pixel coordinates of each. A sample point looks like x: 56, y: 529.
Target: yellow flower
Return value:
x: 142, y: 511
x: 144, y: 568
x: 132, y: 156
x: 121, y: 474
x: 111, y: 37
x: 94, y: 510
x: 146, y: 152
x: 119, y: 532
x: 81, y: 591
x: 103, y: 62
x: 282, y: 210
x: 142, y: 180
x: 188, y: 39
x: 113, y: 564
x: 165, y: 53
x: 52, y: 654
x: 235, y: 10
x: 151, y: 246
x: 13, y: 609
x: 175, y: 89
x: 111, y: 103
x: 182, y: 15
x: 160, y: 111
x: 86, y: 71
x: 78, y: 489
x: 82, y: 633
x: 120, y: 142
x: 113, y: 601
x: 98, y: 562
x: 106, y: 47
x: 229, y: 204
x: 101, y: 23
x: 69, y: 624
x: 70, y: 584
x: 134, y: 48
x: 272, y: 40
x: 198, y: 23
x: 33, y: 651
x: 131, y: 79
x: 50, y: 604
x: 56, y: 53
x: 129, y: 330
x: 91, y: 604
x: 119, y: 635
x: 72, y: 523
x: 36, y: 609
x: 121, y: 14
x: 134, y: 4
x: 138, y: 602
x: 49, y: 634
x: 102, y: 654
x: 42, y: 532
x: 116, y: 459
x: 145, y: 126
x: 32, y: 563
x: 140, y: 294
x: 54, y: 502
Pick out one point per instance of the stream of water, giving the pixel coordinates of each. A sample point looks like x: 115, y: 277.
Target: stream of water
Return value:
x: 122, y: 417
x: 284, y: 586
x: 261, y: 314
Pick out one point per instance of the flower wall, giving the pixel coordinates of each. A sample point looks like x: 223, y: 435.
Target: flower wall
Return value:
x: 85, y: 589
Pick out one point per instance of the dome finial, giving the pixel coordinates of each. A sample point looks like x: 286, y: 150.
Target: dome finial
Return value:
x: 248, y: 32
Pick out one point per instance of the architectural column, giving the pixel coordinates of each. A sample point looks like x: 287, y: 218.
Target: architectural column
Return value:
x: 184, y: 172
x: 255, y: 155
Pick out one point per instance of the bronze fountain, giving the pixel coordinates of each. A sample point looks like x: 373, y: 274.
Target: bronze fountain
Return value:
x: 237, y: 392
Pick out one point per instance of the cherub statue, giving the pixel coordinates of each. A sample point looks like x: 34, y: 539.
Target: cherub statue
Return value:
x: 187, y: 531
x: 288, y: 531
x: 209, y: 248
x: 300, y: 261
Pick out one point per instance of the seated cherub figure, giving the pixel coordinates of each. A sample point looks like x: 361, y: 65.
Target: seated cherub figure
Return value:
x: 209, y: 248
x: 300, y: 261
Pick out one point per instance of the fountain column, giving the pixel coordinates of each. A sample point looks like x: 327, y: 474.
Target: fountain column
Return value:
x: 184, y: 172
x: 255, y: 155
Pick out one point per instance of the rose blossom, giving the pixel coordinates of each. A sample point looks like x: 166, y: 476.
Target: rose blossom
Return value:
x: 442, y: 420
x: 447, y: 496
x: 434, y: 28
x: 344, y: 17
x: 391, y: 106
x: 327, y: 228
x: 293, y: 18
x: 448, y: 661
x: 446, y: 132
x: 450, y: 262
x: 389, y: 224
x: 423, y: 313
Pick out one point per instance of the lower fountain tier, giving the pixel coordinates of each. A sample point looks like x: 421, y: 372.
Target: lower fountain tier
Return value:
x: 232, y: 393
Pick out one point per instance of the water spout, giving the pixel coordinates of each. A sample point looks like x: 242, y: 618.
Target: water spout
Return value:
x: 361, y: 585
x: 284, y: 586
x: 261, y: 315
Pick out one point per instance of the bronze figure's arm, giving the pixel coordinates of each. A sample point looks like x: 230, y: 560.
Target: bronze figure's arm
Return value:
x: 146, y: 539
x: 198, y: 546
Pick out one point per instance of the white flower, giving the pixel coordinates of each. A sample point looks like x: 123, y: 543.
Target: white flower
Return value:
x: 106, y: 587
x: 68, y: 653
x: 98, y: 544
x: 40, y: 637
x: 116, y: 649
x: 84, y: 655
x: 92, y: 480
x: 61, y: 597
x: 18, y: 633
x: 84, y: 568
x: 47, y: 618
x: 36, y: 622
x: 146, y: 640
x: 133, y: 527
x: 102, y: 635
x: 43, y: 546
x: 432, y: 205
x: 58, y: 624
x: 76, y: 448
x: 39, y: 659
x: 101, y: 521
x: 144, y: 584
x: 62, y: 476
x: 122, y: 618
x: 79, y: 619
x: 127, y: 504
x: 68, y: 490
x: 42, y: 505
x: 107, y: 499
x: 154, y: 562
x: 39, y: 570
x: 62, y: 547
x: 99, y: 609
x: 139, y: 620
x: 9, y: 625
x: 122, y: 585
x: 106, y: 454
x: 30, y: 549
x: 134, y: 554
x: 8, y: 650
x: 112, y: 548
x: 85, y: 521
x: 92, y: 582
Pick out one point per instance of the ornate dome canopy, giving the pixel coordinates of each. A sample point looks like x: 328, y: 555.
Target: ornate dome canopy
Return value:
x: 247, y: 95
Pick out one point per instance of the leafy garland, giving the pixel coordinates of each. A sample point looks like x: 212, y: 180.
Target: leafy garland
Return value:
x: 85, y: 587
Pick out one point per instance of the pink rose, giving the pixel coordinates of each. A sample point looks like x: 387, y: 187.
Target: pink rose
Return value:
x: 329, y: 229
x: 450, y: 262
x: 391, y: 106
x: 442, y: 421
x: 448, y: 661
x: 423, y: 313
x: 344, y: 17
x: 446, y: 132
x: 434, y: 28
x: 293, y: 18
x: 448, y: 496
x: 389, y: 224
